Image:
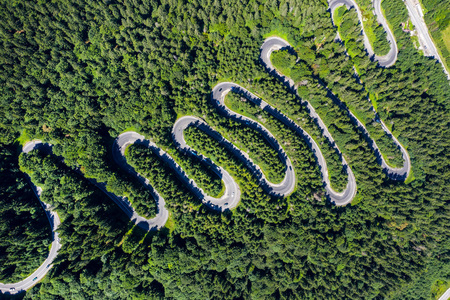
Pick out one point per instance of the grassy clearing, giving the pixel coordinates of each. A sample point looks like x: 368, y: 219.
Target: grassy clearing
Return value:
x: 131, y: 128
x: 446, y: 37
x: 383, y: 11
x: 446, y: 42
x: 338, y: 14
x: 373, y: 100
x: 439, y: 287
x: 368, y: 28
x: 410, y: 177
x: 24, y: 137
x: 380, y: 45
x: 127, y: 148
x: 388, y: 161
x: 277, y: 32
x: 369, y: 22
x: 170, y: 224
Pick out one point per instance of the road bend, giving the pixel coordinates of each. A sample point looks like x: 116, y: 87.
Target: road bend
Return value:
x: 232, y: 193
x: 385, y: 60
x: 146, y: 224
x: 276, y: 43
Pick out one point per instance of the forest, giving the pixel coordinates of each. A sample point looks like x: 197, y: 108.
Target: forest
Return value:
x: 77, y: 73
x: 21, y: 251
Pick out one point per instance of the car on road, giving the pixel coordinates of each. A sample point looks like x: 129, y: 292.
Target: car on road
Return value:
x: 12, y: 289
x: 34, y: 278
x: 232, y: 195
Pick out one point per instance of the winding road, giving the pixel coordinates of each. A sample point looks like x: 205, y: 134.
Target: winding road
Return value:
x: 229, y: 200
x: 232, y: 194
x: 287, y: 185
x: 276, y: 43
x: 386, y: 60
x: 343, y: 198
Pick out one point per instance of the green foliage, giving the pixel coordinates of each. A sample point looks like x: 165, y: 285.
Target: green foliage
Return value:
x: 93, y: 233
x: 292, y: 143
x: 381, y: 45
x: 203, y: 175
x: 82, y: 71
x: 429, y: 285
x: 283, y: 59
x: 253, y: 143
x: 160, y: 175
x: 352, y: 92
x: 24, y: 231
x: 375, y: 31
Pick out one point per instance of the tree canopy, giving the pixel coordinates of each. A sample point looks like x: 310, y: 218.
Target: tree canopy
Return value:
x: 76, y: 73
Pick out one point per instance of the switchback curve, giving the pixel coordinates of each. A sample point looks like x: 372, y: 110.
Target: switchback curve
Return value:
x: 146, y: 224
x: 229, y: 200
x: 385, y: 60
x: 287, y: 185
x: 284, y: 188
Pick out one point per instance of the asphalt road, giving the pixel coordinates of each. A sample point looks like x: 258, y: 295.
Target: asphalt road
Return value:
x: 147, y: 224
x: 229, y: 200
x: 54, y: 220
x: 232, y: 195
x: 422, y: 30
x: 386, y: 60
x: 118, y: 151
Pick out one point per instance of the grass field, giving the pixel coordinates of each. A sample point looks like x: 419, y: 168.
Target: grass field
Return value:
x: 446, y: 37
x: 439, y: 287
